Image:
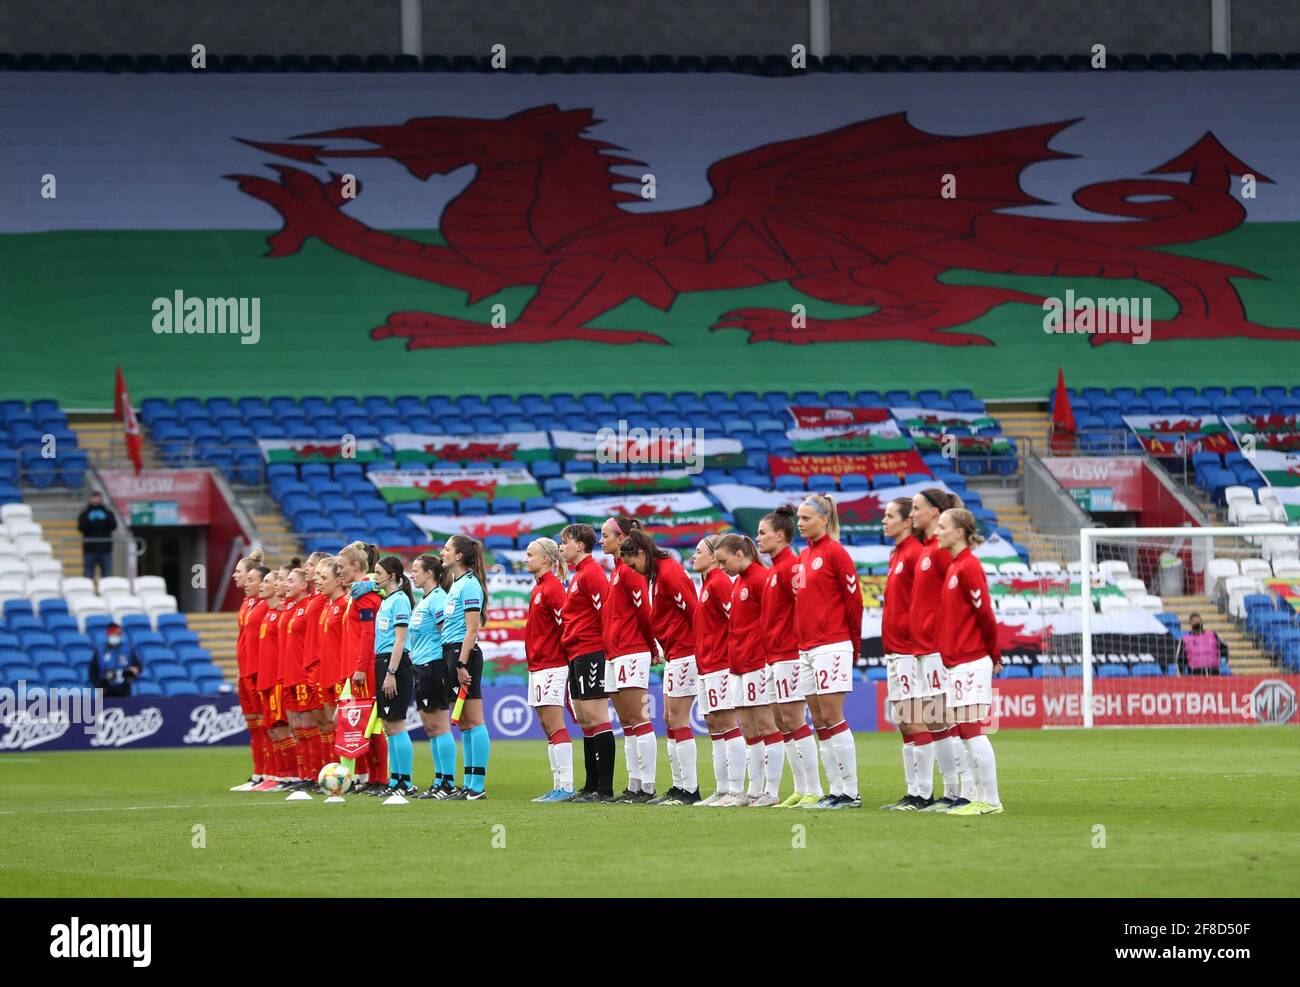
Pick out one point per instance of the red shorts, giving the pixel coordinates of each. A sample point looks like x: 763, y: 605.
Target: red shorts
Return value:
x: 301, y: 697
x: 250, y: 700
x: 273, y: 706
x: 331, y: 693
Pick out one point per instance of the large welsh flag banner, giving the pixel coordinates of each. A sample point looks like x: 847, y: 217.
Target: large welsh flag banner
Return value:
x: 440, y: 527
x: 832, y: 416
x: 859, y: 514
x: 976, y: 445
x: 523, y: 447
x: 1276, y: 433
x: 1169, y: 436
x: 1289, y: 498
x: 1280, y: 469
x: 658, y: 481
x: 320, y: 451
x: 930, y: 419
x: 880, y: 436
x: 871, y: 464
x: 649, y: 447
x: 671, y: 519
x: 398, y: 486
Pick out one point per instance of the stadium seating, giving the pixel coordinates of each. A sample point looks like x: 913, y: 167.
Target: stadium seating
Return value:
x: 28, y: 436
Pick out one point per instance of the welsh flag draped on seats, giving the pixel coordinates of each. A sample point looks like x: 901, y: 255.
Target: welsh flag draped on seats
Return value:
x: 124, y: 413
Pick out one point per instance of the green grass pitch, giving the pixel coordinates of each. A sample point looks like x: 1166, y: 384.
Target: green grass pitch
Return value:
x: 1186, y: 812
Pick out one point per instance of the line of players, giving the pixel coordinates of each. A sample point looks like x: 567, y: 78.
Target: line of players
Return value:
x: 348, y: 625
x: 761, y: 648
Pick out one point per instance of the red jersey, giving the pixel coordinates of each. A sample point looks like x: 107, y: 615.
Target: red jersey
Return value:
x: 672, y: 609
x: 293, y: 638
x: 895, y: 621
x: 931, y: 566
x: 250, y: 629
x: 268, y: 649
x: 331, y: 640
x: 625, y: 619
x: 746, y: 649
x: 542, y: 643
x: 828, y: 599
x: 359, y: 637
x: 586, y: 594
x: 713, y: 624
x: 311, y: 641
x: 967, y: 628
x: 780, y: 634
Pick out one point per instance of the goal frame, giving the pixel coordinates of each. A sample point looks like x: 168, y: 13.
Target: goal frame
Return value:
x: 1088, y: 537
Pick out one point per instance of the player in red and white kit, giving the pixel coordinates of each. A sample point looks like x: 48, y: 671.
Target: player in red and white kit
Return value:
x: 713, y: 663
x: 968, y: 641
x: 932, y: 677
x: 672, y: 616
x: 548, y: 666
x: 900, y: 656
x: 781, y: 636
x: 828, y: 611
x: 584, y: 647
x: 629, y: 649
x: 765, y: 753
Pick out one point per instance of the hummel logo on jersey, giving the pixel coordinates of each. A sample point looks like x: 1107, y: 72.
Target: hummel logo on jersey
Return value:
x: 818, y: 563
x: 952, y: 582
x: 976, y: 597
x: 595, y: 600
x: 852, y: 581
x: 727, y: 607
x: 925, y: 563
x: 559, y: 616
x: 681, y: 603
x: 636, y: 598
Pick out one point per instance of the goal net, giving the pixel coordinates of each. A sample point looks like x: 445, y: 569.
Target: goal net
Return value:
x: 1171, y: 627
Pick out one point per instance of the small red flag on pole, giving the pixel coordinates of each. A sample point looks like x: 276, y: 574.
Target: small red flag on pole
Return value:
x: 1063, y: 427
x: 124, y: 413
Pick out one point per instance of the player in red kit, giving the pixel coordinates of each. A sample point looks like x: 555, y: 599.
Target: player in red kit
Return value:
x: 672, y: 616
x: 250, y: 701
x: 629, y: 648
x: 713, y: 662
x: 747, y: 648
x: 300, y: 700
x: 585, y: 649
x: 330, y: 637
x: 828, y: 612
x: 781, y: 637
x: 284, y: 767
x: 968, y: 641
x: 356, y: 561
x: 932, y: 677
x: 548, y: 666
x: 900, y: 657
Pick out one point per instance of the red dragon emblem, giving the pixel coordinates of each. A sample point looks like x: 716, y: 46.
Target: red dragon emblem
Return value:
x: 851, y: 216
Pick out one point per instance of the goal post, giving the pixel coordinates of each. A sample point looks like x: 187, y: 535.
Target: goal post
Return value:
x: 1210, y: 564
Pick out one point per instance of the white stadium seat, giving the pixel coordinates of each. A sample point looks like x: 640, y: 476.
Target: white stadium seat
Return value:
x: 13, y: 567
x: 15, y: 512
x: 1110, y: 604
x: 1237, y: 506
x: 114, y: 585
x: 78, y: 584
x: 7, y: 547
x: 31, y: 546
x: 1279, y: 545
x: 44, y: 565
x: 1113, y: 569
x: 44, y: 588
x: 144, y: 585
x: 1256, y: 569
x: 22, y: 528
x: 1014, y: 569
x: 82, y: 607
x: 1149, y: 603
x: 1011, y: 604
x: 1132, y: 588
x: 1074, y: 568
x: 989, y: 568
x: 1237, y: 589
x: 1286, y: 567
x: 1045, y: 567
x: 1243, y: 492
x: 1218, y: 569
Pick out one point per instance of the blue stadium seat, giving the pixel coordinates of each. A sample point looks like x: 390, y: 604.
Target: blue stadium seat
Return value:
x: 1047, y: 671
x: 1015, y: 672
x: 1112, y: 671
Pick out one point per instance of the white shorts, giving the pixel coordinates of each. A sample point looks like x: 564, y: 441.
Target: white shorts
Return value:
x: 714, y: 695
x: 828, y: 668
x: 749, y: 689
x: 902, y: 677
x: 549, y: 687
x: 630, y: 672
x: 783, y: 682
x: 932, y: 676
x: 680, y: 679
x: 971, y: 683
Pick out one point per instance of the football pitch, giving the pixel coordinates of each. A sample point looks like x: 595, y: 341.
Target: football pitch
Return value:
x: 1164, y: 812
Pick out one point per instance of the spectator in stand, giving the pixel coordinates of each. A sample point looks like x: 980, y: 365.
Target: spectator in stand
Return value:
x: 1200, y: 650
x: 112, y: 669
x: 97, y: 524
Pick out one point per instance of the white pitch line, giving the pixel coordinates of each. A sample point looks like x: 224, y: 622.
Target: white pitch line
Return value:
x: 134, y: 808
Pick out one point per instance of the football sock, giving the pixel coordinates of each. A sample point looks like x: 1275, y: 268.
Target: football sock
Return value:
x: 562, y: 758
x: 550, y: 759
x: 647, y: 755
x: 846, y: 756
x: 605, y: 755
x: 301, y: 749
x: 673, y: 769
x: 631, y: 761
x: 327, y: 745
x: 478, y: 750
x: 590, y: 764
x: 437, y: 761
x: 736, y: 757
x: 686, y: 764
x: 755, y: 750
x: 719, y: 762
x: 923, y: 744
x: 834, y: 782
x: 909, y: 764
x: 773, y: 764
x: 446, y: 745
x: 378, y: 757
x: 805, y: 745
x: 945, y: 752
x: 986, y: 769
